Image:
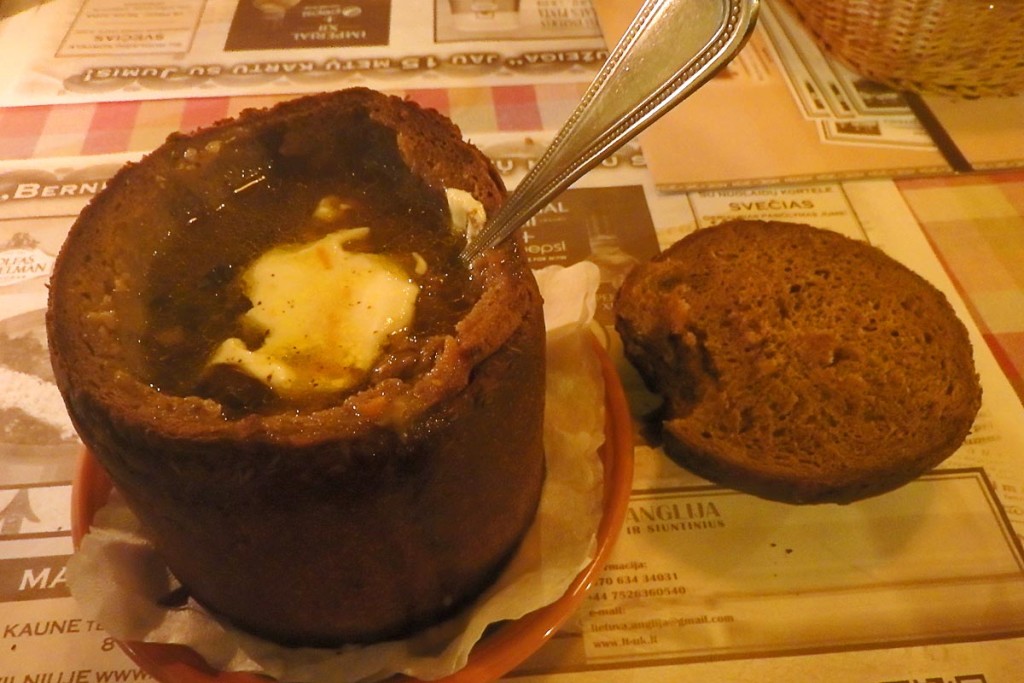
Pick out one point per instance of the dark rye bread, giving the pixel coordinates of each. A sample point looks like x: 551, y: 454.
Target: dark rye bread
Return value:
x: 355, y: 522
x: 798, y: 364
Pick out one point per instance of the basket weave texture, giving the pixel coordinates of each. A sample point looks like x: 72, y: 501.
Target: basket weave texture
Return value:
x: 970, y: 48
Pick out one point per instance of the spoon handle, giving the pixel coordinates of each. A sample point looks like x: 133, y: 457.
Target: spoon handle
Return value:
x: 670, y: 49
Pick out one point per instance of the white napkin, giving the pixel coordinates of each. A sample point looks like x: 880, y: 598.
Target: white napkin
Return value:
x: 117, y: 577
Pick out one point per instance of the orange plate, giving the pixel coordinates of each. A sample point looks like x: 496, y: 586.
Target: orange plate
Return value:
x: 497, y: 653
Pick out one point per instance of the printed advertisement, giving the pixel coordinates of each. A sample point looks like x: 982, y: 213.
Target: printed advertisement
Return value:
x: 102, y: 50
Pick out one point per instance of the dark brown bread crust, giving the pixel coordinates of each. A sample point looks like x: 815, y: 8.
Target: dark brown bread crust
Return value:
x: 798, y: 364
x: 355, y: 523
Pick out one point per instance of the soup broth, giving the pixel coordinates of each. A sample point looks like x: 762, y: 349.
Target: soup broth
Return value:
x: 195, y: 294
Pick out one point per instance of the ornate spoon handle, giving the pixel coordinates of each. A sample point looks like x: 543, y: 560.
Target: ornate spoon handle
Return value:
x: 670, y: 50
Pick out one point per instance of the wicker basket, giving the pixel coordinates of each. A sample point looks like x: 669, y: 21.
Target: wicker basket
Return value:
x: 969, y: 48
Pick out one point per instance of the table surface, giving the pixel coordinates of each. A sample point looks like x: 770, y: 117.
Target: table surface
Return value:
x: 963, y: 228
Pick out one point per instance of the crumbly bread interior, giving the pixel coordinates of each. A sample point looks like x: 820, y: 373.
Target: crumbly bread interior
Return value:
x: 798, y: 364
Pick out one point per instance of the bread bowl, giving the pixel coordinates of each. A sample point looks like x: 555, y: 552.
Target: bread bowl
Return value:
x: 307, y: 515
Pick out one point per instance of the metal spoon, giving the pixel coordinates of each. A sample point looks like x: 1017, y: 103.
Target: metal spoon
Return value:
x: 670, y: 50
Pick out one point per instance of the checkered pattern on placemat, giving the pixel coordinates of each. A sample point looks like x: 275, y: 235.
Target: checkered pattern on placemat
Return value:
x: 975, y: 224
x: 139, y: 126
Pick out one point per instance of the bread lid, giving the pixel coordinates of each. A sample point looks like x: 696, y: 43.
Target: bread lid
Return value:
x: 798, y: 364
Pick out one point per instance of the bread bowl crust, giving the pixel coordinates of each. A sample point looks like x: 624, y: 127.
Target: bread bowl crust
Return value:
x: 349, y: 524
